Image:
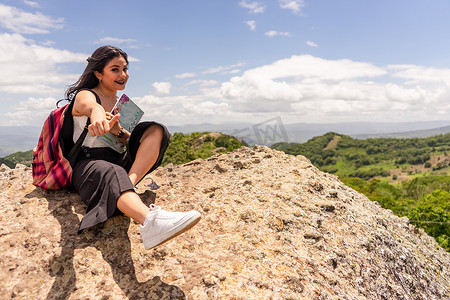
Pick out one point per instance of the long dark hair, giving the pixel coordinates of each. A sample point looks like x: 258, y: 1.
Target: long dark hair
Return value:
x: 96, y: 62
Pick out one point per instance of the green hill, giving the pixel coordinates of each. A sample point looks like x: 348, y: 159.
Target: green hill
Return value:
x: 11, y: 160
x: 408, y: 176
x: 349, y: 157
x: 187, y: 147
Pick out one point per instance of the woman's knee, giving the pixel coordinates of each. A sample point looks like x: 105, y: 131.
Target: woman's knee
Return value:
x: 154, y: 132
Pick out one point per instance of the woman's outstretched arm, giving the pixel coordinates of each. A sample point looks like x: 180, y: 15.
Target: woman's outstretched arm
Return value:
x: 86, y: 105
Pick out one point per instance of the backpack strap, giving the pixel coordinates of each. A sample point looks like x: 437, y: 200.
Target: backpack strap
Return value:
x: 75, y: 149
x: 72, y: 156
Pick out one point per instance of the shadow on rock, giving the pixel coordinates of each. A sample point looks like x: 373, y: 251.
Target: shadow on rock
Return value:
x: 110, y: 238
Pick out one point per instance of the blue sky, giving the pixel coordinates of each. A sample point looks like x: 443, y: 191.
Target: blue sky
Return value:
x: 235, y: 61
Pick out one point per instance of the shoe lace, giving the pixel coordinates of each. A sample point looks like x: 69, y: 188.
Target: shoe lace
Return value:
x: 154, y: 207
x: 156, y: 210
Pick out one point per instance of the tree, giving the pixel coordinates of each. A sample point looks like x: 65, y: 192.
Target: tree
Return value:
x: 433, y: 215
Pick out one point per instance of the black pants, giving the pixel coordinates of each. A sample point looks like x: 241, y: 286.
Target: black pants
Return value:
x: 100, y: 175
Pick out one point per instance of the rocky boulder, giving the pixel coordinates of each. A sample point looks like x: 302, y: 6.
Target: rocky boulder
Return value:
x: 273, y: 227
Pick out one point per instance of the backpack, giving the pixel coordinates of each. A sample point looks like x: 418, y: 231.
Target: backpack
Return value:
x: 55, y: 153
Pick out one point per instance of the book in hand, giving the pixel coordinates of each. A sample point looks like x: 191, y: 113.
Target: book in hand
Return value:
x: 130, y: 115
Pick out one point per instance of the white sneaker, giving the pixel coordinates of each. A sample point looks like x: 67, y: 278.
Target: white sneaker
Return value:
x: 160, y: 225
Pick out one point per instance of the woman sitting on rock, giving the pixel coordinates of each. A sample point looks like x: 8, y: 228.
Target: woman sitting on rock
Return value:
x: 104, y: 178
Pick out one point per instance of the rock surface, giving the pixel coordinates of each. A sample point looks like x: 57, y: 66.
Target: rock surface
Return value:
x: 273, y: 227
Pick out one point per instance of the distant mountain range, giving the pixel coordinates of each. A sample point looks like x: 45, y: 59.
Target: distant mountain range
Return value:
x: 23, y: 138
x: 274, y: 131
x: 408, y: 134
x: 18, y: 138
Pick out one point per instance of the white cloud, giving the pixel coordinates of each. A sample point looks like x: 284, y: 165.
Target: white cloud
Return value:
x: 185, y: 75
x: 301, y: 88
x: 305, y: 88
x: 162, y: 88
x: 273, y: 33
x: 319, y: 89
x: 182, y: 110
x: 202, y: 82
x: 255, y: 7
x: 293, y: 5
x: 31, y: 3
x: 417, y: 74
x: 115, y: 41
x: 235, y: 71
x: 19, y: 21
x: 251, y: 24
x: 224, y: 69
x: 214, y: 70
x: 132, y: 59
x: 33, y: 69
x: 48, y: 43
x: 311, y: 44
x: 33, y: 109
x: 404, y: 94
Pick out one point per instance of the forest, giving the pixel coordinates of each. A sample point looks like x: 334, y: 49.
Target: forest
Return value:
x: 184, y: 148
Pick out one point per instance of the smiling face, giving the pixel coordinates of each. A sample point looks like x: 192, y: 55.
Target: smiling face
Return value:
x: 114, y: 76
